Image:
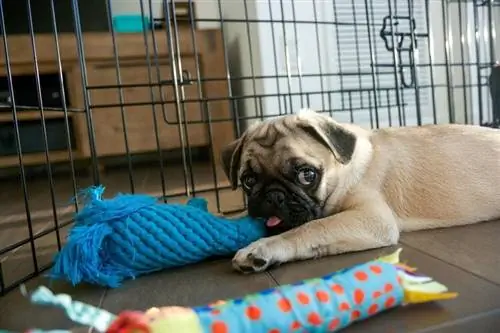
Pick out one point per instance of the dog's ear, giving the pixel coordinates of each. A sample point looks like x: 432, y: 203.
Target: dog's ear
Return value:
x: 231, y: 159
x: 336, y: 138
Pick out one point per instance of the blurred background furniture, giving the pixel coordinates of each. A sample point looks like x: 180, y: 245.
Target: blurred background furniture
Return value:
x: 129, y: 108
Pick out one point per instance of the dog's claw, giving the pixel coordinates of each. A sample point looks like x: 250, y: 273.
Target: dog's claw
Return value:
x: 258, y: 262
x: 256, y: 257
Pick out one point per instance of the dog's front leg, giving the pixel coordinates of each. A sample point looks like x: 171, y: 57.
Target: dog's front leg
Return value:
x: 351, y: 230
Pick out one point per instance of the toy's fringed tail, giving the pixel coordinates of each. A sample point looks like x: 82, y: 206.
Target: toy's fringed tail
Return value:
x: 417, y: 288
x: 93, y: 193
x: 85, y: 257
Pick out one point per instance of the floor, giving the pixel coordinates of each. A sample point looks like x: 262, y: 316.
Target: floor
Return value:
x: 465, y: 258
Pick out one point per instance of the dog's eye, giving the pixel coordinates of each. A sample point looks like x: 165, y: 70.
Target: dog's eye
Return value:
x: 248, y: 181
x: 306, y: 176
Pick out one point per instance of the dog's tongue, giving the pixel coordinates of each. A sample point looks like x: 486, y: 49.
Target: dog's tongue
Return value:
x: 273, y: 221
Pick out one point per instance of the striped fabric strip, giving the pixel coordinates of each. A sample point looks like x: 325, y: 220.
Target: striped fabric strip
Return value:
x: 78, y: 312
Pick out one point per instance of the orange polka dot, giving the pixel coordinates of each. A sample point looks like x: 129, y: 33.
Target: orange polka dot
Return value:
x: 355, y: 315
x: 215, y: 311
x: 344, y: 306
x: 253, y: 312
x: 322, y: 296
x: 338, y: 289
x: 377, y: 294
x: 388, y: 287
x: 373, y: 309
x: 399, y: 280
x: 296, y: 325
x: 303, y: 298
x: 376, y: 269
x: 219, y: 327
x: 285, y: 305
x: 361, y: 276
x: 274, y: 330
x: 314, y: 319
x: 333, y: 324
x: 359, y: 296
x: 390, y: 302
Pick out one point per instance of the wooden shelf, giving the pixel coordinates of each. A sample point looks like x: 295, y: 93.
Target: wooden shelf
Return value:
x: 6, y: 116
x: 36, y: 158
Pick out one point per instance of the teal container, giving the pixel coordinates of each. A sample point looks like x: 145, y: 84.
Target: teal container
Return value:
x: 128, y: 23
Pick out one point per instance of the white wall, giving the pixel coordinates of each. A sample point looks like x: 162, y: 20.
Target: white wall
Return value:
x: 304, y: 50
x: 465, y: 100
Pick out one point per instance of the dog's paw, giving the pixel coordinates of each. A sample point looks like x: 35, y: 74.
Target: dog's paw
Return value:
x: 258, y: 256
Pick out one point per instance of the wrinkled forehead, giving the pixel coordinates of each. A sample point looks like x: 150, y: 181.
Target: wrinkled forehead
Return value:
x: 279, y: 154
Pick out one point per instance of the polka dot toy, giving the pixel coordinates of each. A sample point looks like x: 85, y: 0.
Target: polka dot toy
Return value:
x: 326, y: 304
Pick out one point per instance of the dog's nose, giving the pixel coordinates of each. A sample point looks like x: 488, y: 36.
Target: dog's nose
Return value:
x: 276, y: 198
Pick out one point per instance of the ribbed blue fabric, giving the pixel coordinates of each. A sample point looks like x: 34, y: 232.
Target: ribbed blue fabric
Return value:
x: 131, y: 235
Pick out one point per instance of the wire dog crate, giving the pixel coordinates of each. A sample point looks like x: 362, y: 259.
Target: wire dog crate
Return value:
x: 85, y: 101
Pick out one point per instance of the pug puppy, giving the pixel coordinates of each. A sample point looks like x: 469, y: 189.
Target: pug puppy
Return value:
x: 327, y: 188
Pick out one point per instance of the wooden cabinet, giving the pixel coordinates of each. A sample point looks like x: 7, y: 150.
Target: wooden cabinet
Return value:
x: 144, y: 116
x: 144, y: 113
